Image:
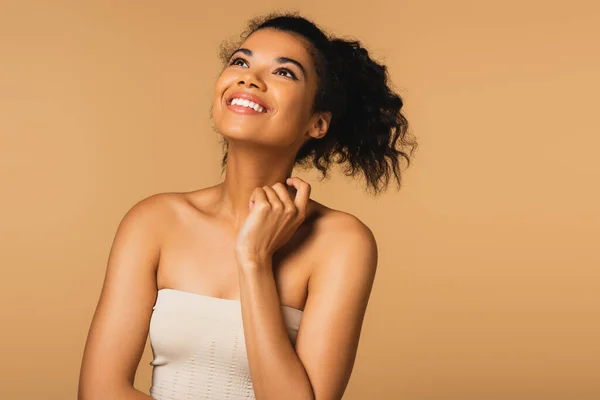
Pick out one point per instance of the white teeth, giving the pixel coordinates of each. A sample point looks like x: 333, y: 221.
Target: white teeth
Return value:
x: 247, y: 103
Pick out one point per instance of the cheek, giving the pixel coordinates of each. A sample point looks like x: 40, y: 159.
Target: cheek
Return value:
x: 223, y: 81
x: 293, y: 107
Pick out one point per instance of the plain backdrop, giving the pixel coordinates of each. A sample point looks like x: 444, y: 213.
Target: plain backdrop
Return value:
x: 488, y: 284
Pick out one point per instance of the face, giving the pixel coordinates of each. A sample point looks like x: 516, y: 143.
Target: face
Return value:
x: 271, y: 82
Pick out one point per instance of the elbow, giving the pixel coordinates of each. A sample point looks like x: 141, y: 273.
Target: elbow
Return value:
x: 103, y: 395
x: 310, y: 395
x: 96, y: 385
x: 94, y: 393
x: 103, y: 391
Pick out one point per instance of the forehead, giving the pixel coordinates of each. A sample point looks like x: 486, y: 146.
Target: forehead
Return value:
x: 270, y: 43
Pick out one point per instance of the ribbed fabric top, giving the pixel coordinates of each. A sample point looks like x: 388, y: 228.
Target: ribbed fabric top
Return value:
x: 199, y: 348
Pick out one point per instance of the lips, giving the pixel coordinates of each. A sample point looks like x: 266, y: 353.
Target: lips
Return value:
x: 250, y: 97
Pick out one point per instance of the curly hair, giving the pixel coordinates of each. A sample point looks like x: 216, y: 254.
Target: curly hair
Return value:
x: 368, y: 133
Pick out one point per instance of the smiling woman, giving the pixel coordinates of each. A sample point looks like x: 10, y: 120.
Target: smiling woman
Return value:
x: 249, y: 288
x: 319, y: 79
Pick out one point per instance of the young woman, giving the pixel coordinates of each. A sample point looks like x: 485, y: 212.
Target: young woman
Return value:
x: 249, y: 288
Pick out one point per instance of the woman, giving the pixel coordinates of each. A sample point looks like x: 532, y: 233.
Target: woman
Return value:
x: 249, y: 288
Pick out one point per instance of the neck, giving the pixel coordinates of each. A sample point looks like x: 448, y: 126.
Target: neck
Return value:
x: 248, y: 168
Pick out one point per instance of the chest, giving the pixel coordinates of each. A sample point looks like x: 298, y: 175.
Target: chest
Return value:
x: 201, y: 259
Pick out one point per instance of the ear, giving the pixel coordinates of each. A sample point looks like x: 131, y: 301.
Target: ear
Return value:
x: 319, y: 125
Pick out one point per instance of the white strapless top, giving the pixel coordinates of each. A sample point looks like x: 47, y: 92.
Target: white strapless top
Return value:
x: 199, y: 349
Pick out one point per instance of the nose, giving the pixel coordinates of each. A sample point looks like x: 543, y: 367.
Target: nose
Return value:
x: 250, y: 79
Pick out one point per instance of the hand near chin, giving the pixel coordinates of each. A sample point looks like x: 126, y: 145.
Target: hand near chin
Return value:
x: 273, y: 219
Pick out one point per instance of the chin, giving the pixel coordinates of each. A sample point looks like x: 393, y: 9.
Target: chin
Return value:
x: 233, y: 130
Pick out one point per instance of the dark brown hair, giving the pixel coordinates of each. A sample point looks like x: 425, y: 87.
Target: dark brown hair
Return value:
x: 368, y: 134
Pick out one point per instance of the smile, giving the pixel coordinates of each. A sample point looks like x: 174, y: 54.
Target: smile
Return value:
x: 244, y: 102
x: 245, y: 105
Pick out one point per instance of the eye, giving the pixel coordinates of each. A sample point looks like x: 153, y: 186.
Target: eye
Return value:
x: 235, y: 60
x: 291, y: 74
x: 287, y: 72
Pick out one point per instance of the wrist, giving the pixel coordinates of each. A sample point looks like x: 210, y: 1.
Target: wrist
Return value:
x: 254, y: 262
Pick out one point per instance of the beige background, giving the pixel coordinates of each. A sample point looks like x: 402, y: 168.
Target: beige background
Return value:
x: 488, y: 284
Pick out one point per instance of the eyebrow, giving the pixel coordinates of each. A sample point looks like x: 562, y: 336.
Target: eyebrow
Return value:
x: 280, y: 60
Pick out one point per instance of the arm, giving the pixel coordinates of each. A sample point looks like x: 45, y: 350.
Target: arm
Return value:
x: 120, y: 325
x: 276, y: 370
x: 339, y: 291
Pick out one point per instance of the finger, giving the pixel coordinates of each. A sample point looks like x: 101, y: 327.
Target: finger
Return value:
x: 258, y: 197
x: 273, y: 198
x: 286, y: 198
x: 302, y: 193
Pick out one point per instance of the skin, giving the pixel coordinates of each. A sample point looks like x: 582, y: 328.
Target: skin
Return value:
x: 256, y: 237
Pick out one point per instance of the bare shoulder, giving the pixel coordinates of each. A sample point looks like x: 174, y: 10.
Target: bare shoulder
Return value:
x: 339, y: 289
x: 342, y: 234
x: 159, y: 211
x: 157, y: 206
x: 120, y: 323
